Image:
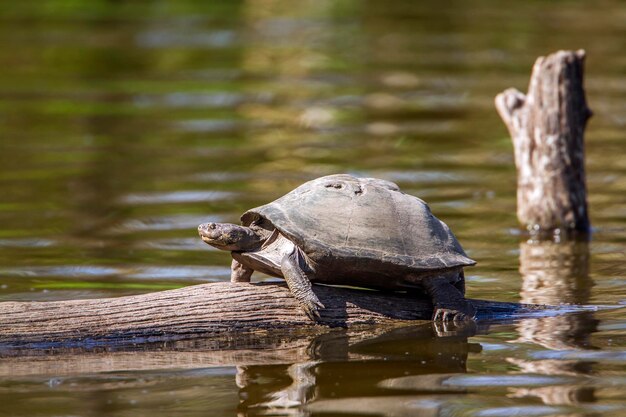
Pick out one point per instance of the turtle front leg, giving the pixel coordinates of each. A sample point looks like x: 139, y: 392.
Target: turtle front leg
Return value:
x: 239, y: 272
x: 448, y: 302
x: 299, y: 284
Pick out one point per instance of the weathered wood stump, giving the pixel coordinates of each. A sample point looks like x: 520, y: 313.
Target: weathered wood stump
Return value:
x: 217, y: 309
x: 547, y: 127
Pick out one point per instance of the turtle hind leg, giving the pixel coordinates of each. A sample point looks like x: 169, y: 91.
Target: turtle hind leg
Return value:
x: 460, y: 284
x: 449, y: 302
x: 299, y: 284
x: 240, y: 272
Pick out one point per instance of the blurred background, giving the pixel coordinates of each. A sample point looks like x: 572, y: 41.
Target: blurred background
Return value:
x: 125, y: 124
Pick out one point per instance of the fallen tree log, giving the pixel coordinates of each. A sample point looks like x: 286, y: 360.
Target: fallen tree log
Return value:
x: 211, y: 309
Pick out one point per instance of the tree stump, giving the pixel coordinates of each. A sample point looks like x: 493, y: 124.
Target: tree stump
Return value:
x: 547, y: 127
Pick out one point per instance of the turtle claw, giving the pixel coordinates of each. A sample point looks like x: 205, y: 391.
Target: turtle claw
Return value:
x: 454, y: 320
x: 466, y: 328
x: 455, y: 314
x: 444, y: 314
x: 312, y: 308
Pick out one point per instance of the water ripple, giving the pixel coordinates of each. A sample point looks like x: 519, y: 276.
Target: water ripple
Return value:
x: 527, y: 410
x: 581, y: 355
x: 177, y: 197
x: 176, y: 244
x: 220, y: 177
x: 174, y: 38
x: 208, y: 125
x: 504, y: 380
x: 429, y: 177
x: 182, y: 272
x: 161, y: 223
x: 27, y: 243
x: 179, y: 100
x: 208, y: 273
x: 62, y: 271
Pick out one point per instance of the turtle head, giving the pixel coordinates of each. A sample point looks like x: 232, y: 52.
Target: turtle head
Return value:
x: 231, y: 237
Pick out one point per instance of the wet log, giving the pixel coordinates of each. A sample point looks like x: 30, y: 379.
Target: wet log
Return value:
x: 547, y: 128
x: 220, y: 309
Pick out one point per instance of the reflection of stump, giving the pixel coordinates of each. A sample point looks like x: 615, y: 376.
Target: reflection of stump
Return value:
x: 556, y: 273
x: 547, y: 126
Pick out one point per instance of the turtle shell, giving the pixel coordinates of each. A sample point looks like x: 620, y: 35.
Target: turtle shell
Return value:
x: 345, y: 217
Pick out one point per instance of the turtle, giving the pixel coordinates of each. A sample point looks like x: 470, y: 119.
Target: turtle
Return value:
x: 346, y: 230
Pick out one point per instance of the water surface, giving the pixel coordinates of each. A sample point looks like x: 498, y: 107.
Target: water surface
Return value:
x: 125, y: 124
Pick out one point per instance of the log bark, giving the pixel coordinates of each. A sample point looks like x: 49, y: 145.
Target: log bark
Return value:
x: 547, y: 128
x: 219, y: 309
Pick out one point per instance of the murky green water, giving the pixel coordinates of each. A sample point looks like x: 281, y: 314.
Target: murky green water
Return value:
x: 125, y: 124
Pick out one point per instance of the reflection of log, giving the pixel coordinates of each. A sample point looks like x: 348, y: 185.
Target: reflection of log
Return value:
x: 547, y: 127
x: 423, y: 405
x: 259, y: 355
x: 255, y: 349
x: 217, y: 308
x: 274, y: 369
x: 77, y: 361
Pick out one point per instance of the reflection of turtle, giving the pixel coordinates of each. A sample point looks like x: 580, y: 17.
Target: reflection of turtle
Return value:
x: 345, y: 230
